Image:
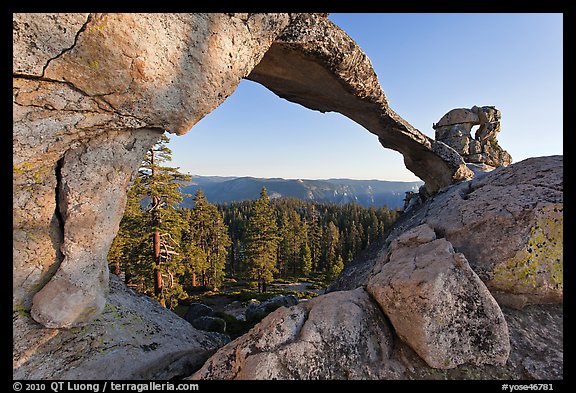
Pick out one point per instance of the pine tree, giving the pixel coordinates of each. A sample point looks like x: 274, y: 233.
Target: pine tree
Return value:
x: 292, y: 232
x: 328, y: 231
x: 372, y: 230
x: 336, y: 268
x: 284, y: 249
x: 314, y: 237
x: 330, y: 245
x: 160, y: 187
x: 306, y: 258
x: 130, y: 246
x: 207, y: 242
x: 262, y: 242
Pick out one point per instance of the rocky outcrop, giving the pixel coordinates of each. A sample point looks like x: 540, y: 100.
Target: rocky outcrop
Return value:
x: 437, y: 304
x: 133, y: 338
x: 508, y: 223
x: 197, y: 310
x: 536, y: 341
x: 483, y: 151
x: 432, y: 296
x: 76, y: 292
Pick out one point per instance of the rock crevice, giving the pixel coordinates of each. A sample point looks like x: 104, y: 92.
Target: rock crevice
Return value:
x: 88, y: 19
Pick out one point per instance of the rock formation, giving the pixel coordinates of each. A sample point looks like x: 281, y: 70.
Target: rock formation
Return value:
x: 427, y: 309
x: 508, y: 223
x: 256, y: 310
x: 483, y: 151
x: 133, y: 338
x: 88, y: 102
x: 93, y: 91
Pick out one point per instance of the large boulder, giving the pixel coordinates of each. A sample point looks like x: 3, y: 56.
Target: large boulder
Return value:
x: 342, y: 335
x: 509, y: 224
x: 437, y: 304
x: 210, y: 324
x: 133, y: 338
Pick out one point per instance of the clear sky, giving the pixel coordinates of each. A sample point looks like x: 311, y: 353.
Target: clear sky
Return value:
x: 427, y: 64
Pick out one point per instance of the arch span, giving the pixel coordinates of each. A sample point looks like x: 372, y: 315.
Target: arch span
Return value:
x: 316, y: 64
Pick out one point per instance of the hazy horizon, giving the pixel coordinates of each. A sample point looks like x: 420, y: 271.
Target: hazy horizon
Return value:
x: 302, y: 178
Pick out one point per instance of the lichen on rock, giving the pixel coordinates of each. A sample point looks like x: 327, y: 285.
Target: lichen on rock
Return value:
x: 536, y: 270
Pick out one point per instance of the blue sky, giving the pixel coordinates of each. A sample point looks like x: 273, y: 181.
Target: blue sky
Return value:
x: 427, y: 64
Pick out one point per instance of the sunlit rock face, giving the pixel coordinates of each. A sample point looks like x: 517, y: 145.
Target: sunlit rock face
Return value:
x: 482, y: 150
x: 92, y: 92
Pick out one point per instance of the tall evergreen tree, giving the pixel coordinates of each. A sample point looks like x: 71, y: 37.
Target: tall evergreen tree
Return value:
x: 160, y: 186
x: 306, y: 258
x: 335, y: 268
x: 314, y: 237
x: 292, y: 232
x: 262, y: 242
x: 130, y: 247
x: 284, y: 249
x: 207, y: 243
x: 330, y: 244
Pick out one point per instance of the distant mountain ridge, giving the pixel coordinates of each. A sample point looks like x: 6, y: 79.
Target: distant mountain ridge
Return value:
x: 377, y: 193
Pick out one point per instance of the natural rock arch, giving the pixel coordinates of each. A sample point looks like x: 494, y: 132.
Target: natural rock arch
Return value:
x: 93, y: 91
x: 316, y: 64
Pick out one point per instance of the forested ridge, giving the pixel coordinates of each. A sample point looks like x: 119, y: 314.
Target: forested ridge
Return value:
x: 168, y: 251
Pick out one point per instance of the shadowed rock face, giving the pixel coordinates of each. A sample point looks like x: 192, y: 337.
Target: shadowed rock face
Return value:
x: 93, y: 97
x: 133, y: 338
